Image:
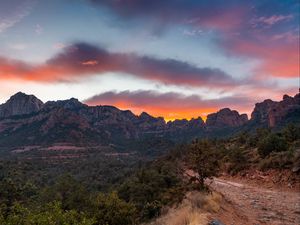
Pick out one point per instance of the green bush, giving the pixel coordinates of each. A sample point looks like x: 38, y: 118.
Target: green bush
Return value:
x: 203, y: 160
x: 243, y: 137
x: 277, y: 160
x: 69, y: 192
x: 152, y: 209
x: 51, y: 214
x: 271, y: 143
x: 237, y: 160
x: 109, y: 209
x: 150, y: 189
x: 291, y: 133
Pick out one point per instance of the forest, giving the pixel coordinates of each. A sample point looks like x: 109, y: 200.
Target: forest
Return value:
x: 100, y: 189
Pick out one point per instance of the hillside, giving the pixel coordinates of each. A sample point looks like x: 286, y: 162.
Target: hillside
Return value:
x: 258, y: 181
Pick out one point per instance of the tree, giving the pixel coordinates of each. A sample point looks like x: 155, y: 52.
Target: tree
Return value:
x: 237, y: 159
x: 52, y: 214
x: 243, y: 137
x: 152, y: 187
x: 291, y: 133
x: 152, y: 209
x: 12, y: 191
x: 111, y: 210
x: 69, y: 192
x: 271, y: 143
x: 203, y: 161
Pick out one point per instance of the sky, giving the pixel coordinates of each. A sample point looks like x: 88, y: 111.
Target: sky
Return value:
x: 173, y: 58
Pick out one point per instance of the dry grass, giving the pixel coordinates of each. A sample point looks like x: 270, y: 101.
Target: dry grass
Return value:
x: 197, y: 218
x: 182, y: 217
x: 194, y: 210
x: 205, y: 202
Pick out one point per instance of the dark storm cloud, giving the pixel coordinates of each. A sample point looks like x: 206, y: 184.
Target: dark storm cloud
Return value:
x: 86, y: 58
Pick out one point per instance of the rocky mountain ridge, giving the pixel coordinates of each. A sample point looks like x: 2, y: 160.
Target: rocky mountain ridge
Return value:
x: 226, y: 117
x: 19, y: 104
x: 274, y: 113
x: 24, y: 120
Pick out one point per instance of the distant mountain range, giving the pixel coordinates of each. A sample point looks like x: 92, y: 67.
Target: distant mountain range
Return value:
x: 26, y: 120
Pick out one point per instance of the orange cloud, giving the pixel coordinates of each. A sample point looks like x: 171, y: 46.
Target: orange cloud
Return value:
x: 168, y: 105
x: 90, y: 63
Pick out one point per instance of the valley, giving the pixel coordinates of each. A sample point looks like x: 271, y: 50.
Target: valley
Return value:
x: 108, y: 166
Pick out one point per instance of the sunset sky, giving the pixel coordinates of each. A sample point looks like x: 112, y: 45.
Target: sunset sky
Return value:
x: 170, y: 58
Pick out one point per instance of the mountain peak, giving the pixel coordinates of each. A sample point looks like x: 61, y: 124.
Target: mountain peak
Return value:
x: 19, y: 94
x: 72, y: 103
x: 145, y: 115
x: 226, y: 117
x: 273, y: 113
x: 20, y: 104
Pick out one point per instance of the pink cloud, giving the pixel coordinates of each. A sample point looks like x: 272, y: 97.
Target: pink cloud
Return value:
x: 279, y: 59
x: 273, y: 19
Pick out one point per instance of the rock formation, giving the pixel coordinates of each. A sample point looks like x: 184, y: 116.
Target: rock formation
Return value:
x: 74, y: 122
x: 271, y: 113
x: 226, y: 118
x: 20, y: 104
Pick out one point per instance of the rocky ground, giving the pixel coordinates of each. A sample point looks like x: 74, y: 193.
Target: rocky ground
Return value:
x: 258, y: 205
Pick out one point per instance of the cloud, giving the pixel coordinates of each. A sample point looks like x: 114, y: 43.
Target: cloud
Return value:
x: 215, y: 13
x: 12, y: 12
x: 80, y: 60
x: 18, y: 46
x: 278, y: 58
x: 161, y: 13
x: 273, y: 19
x: 170, y: 105
x: 90, y: 63
x: 59, y: 45
x: 253, y: 29
x: 38, y: 29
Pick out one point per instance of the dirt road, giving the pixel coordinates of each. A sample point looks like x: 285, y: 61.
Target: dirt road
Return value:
x: 259, y: 205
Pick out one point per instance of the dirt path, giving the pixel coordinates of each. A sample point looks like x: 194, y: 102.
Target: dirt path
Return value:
x: 259, y: 205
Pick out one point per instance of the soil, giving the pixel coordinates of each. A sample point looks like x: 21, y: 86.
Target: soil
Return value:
x: 270, y: 179
x: 252, y: 204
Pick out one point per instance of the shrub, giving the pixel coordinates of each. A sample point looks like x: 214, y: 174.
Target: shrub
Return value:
x: 111, y: 210
x: 152, y: 209
x: 52, y: 214
x: 243, y: 137
x: 69, y: 192
x: 291, y: 133
x: 150, y: 189
x: 208, y: 202
x: 203, y: 161
x: 271, y: 143
x: 252, y: 141
x: 237, y: 160
x: 277, y: 160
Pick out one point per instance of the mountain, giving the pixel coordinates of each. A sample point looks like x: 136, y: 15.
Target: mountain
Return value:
x: 273, y: 114
x: 26, y: 120
x: 226, y: 117
x: 20, y: 104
